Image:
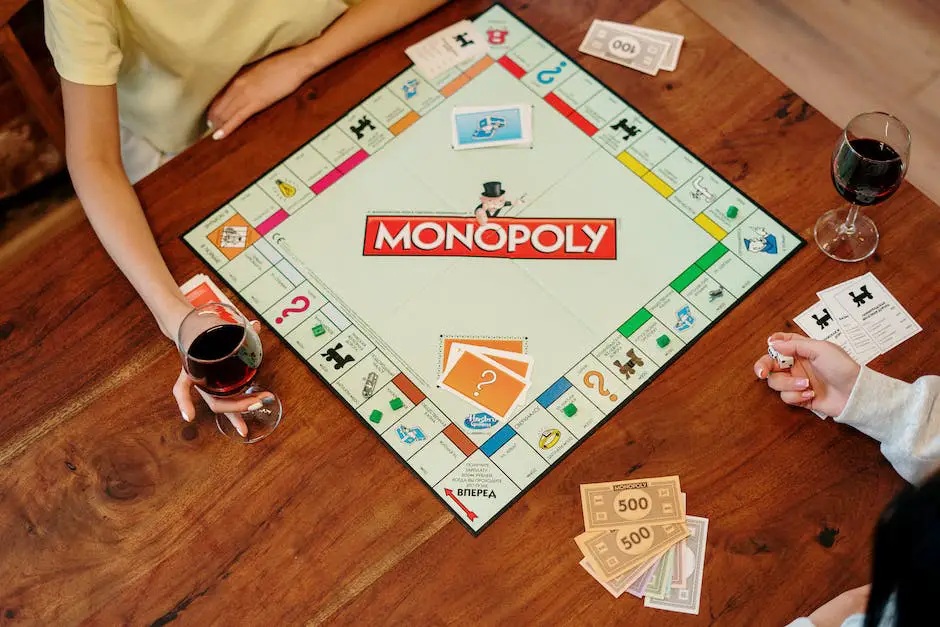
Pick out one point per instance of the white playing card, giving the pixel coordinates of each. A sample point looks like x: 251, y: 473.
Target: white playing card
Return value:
x: 875, y: 309
x: 448, y: 48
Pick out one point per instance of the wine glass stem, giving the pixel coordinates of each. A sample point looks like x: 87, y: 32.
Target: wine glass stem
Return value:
x: 849, y: 227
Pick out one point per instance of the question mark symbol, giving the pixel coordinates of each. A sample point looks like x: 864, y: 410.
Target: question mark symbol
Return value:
x: 289, y: 310
x: 485, y: 382
x: 547, y: 76
x: 594, y: 377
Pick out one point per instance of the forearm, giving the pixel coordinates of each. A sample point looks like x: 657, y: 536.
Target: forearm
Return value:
x: 117, y: 218
x: 361, y: 25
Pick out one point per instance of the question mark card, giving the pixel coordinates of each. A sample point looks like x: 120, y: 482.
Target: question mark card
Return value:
x: 509, y: 345
x: 484, y: 383
x: 515, y: 362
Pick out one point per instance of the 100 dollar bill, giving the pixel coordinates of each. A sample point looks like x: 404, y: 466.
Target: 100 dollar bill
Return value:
x: 618, y: 503
x: 611, y: 553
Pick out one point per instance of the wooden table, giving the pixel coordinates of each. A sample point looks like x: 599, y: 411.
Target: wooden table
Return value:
x: 115, y: 512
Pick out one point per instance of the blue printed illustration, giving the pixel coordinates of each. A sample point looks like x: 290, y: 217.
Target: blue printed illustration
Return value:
x: 480, y: 421
x: 410, y: 435
x: 685, y: 319
x: 488, y: 126
x: 761, y: 242
x: 410, y: 88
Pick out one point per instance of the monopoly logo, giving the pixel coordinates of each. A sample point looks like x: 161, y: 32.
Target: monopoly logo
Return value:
x: 509, y: 238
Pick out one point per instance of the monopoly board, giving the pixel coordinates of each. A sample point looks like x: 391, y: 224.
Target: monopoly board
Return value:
x: 615, y: 248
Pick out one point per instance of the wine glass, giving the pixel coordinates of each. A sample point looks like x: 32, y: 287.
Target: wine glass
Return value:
x: 868, y: 165
x: 222, y: 353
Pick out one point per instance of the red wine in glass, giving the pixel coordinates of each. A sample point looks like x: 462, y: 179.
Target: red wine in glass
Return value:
x: 868, y: 164
x: 222, y: 352
x: 216, y: 363
x: 866, y: 171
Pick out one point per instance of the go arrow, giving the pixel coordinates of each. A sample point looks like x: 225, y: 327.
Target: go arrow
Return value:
x: 470, y: 515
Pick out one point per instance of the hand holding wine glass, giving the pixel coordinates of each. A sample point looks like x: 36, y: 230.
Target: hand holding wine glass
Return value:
x: 221, y: 354
x: 868, y: 165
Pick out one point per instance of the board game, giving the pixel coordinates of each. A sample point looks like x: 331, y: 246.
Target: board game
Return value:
x: 610, y: 249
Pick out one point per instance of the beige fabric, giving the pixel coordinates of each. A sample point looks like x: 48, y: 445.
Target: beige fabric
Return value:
x: 904, y: 417
x: 169, y: 58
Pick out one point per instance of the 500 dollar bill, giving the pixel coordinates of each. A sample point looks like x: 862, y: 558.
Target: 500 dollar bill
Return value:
x: 611, y: 553
x: 618, y: 503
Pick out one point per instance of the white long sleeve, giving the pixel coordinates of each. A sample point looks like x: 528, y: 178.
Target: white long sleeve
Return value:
x: 904, y: 417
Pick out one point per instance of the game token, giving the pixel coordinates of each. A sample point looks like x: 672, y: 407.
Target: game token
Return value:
x: 662, y: 341
x: 570, y: 410
x: 318, y: 330
x: 375, y: 416
x: 732, y: 212
x: 396, y: 403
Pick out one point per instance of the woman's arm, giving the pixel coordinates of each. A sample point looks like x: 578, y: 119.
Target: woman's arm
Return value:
x: 279, y: 75
x: 93, y: 153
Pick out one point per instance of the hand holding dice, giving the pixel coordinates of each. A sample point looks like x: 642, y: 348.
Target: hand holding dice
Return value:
x: 818, y: 376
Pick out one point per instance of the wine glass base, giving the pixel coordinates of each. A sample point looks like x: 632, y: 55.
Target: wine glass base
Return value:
x: 261, y: 422
x: 834, y: 240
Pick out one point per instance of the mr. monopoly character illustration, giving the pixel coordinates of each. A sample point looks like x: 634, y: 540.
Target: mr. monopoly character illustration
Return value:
x: 762, y: 242
x: 493, y: 201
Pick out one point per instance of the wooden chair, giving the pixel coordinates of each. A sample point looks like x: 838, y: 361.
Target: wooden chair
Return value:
x: 42, y: 104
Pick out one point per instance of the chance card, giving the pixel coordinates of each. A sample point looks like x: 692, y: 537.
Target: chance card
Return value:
x: 488, y: 127
x: 484, y: 383
x: 448, y: 48
x: 515, y: 362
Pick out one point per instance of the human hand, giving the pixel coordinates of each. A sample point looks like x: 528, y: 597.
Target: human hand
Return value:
x: 834, y: 613
x: 255, y: 89
x: 822, y: 376
x: 231, y: 407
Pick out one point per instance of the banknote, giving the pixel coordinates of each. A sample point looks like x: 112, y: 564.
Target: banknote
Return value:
x: 638, y: 587
x: 618, y: 503
x: 625, y: 581
x: 658, y: 587
x: 687, y: 599
x: 612, y: 553
x: 680, y: 568
x: 634, y: 49
x: 671, y: 40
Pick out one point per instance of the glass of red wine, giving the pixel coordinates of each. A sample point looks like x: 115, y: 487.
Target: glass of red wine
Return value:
x: 222, y: 353
x: 868, y: 165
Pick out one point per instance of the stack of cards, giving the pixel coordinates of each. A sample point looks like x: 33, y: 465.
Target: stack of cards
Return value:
x: 490, y: 374
x: 642, y: 49
x: 490, y: 127
x: 638, y: 539
x: 448, y: 48
x: 200, y: 290
x: 861, y: 316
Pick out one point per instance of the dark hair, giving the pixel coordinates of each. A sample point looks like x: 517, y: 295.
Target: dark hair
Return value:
x: 906, y: 558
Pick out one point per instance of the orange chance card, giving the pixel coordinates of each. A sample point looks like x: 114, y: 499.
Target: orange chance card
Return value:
x: 513, y: 346
x: 484, y: 383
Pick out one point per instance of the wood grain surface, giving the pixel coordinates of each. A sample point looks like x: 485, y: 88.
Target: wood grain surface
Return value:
x: 113, y: 511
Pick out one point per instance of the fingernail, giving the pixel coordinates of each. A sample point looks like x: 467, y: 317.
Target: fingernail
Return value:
x: 185, y: 416
x: 808, y: 394
x: 219, y: 134
x: 770, y: 339
x: 210, y: 125
x: 255, y: 406
x: 760, y: 372
x: 243, y: 431
x: 771, y: 342
x: 802, y: 383
x: 267, y: 400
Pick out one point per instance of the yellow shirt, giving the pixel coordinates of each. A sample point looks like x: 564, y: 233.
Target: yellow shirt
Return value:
x: 170, y: 58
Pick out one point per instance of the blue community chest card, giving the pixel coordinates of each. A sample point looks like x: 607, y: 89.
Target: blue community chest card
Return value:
x: 476, y: 127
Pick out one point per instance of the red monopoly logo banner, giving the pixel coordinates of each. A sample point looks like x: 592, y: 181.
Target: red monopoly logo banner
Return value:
x: 507, y: 238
